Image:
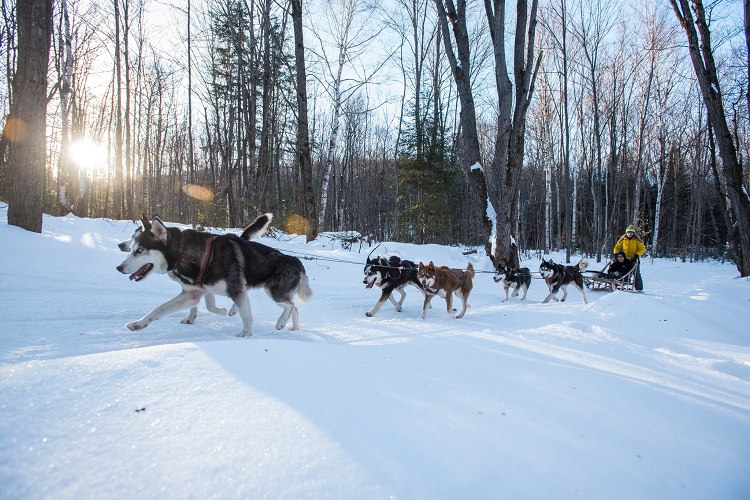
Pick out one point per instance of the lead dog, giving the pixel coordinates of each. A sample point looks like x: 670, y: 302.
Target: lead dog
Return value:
x: 391, y: 274
x: 257, y: 228
x: 445, y: 282
x: 559, y: 276
x: 516, y: 278
x: 205, y: 263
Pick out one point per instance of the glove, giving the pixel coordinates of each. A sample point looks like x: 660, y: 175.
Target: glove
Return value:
x: 617, y: 274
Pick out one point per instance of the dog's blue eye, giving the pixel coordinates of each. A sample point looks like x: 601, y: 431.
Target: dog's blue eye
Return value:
x: 140, y: 250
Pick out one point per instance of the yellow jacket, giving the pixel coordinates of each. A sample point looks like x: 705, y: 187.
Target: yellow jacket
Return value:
x: 631, y: 246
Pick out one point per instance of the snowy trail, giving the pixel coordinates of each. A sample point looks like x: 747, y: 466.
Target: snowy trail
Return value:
x: 631, y: 396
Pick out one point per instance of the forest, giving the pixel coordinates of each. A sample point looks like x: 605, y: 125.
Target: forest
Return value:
x: 407, y: 120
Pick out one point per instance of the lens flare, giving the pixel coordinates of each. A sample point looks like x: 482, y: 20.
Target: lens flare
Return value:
x: 197, y: 192
x: 296, y: 224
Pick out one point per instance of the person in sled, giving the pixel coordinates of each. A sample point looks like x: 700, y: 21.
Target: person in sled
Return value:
x: 632, y: 246
x: 620, y: 266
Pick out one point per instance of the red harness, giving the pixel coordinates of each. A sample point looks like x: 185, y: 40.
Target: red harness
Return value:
x: 206, y: 259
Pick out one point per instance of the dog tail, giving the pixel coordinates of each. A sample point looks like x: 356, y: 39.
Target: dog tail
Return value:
x: 470, y: 271
x: 583, y: 264
x: 304, y: 292
x: 257, y: 227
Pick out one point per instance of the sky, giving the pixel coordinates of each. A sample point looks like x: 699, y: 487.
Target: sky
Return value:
x: 629, y: 396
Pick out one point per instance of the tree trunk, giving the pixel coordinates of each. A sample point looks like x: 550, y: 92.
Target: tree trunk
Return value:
x: 459, y: 60
x: 303, y: 135
x: 69, y: 183
x: 505, y: 170
x: 334, y: 136
x: 569, y: 206
x: 27, y: 130
x: 701, y: 54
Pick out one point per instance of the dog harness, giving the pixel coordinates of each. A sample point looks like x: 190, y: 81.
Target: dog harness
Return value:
x: 206, y: 258
x: 204, y: 265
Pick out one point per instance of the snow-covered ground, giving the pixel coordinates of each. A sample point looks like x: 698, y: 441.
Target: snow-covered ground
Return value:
x: 631, y: 396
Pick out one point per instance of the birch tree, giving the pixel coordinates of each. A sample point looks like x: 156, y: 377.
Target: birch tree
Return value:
x: 342, y: 39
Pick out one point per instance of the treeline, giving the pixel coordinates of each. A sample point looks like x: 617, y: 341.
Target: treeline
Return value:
x: 199, y: 124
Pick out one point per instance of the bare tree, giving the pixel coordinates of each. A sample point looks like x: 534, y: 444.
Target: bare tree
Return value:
x: 513, y: 104
x: 452, y: 18
x: 304, y: 156
x: 701, y: 54
x: 69, y: 173
x: 348, y: 33
x: 27, y: 129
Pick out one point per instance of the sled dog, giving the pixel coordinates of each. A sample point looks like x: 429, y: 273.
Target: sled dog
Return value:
x: 559, y: 276
x: 519, y: 279
x: 442, y: 281
x: 390, y: 274
x: 257, y: 228
x: 207, y: 264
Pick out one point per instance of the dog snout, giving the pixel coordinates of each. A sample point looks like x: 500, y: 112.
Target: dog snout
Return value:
x: 121, y: 268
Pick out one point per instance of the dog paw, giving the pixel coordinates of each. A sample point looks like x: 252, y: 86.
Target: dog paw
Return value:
x: 244, y: 334
x: 232, y: 311
x: 188, y: 321
x: 369, y: 314
x: 134, y: 326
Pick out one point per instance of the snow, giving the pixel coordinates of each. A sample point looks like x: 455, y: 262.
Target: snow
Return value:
x: 631, y: 396
x: 492, y: 217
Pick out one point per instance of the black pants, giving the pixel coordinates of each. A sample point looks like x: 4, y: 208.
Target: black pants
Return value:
x: 638, y: 281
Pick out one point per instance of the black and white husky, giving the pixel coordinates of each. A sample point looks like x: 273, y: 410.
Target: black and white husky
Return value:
x: 257, y: 228
x: 390, y: 274
x: 559, y: 276
x: 207, y: 264
x: 519, y: 279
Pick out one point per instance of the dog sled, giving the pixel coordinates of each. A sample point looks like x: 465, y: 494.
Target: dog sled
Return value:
x: 602, y: 281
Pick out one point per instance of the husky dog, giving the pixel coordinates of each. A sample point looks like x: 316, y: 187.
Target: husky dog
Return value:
x: 559, y: 276
x: 257, y: 228
x: 391, y: 274
x: 227, y: 264
x: 516, y: 278
x: 445, y: 282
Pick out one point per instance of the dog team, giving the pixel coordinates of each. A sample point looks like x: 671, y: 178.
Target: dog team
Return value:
x: 207, y: 265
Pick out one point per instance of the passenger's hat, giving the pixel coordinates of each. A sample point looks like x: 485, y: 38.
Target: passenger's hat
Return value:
x: 630, y: 229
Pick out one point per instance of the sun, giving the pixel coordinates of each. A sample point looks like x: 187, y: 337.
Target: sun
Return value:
x: 89, y: 155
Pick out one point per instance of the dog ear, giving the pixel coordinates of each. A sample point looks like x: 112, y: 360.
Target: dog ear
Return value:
x: 431, y: 265
x: 145, y: 223
x: 158, y: 229
x: 420, y: 267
